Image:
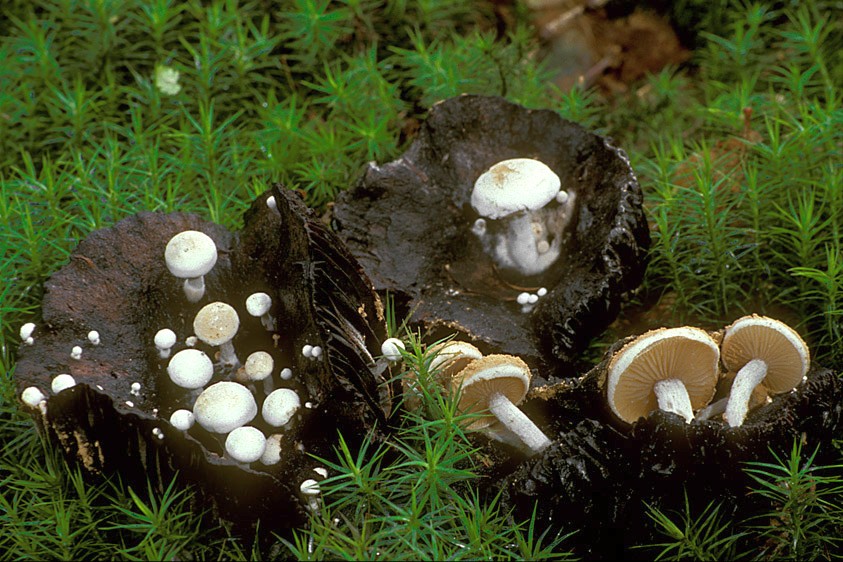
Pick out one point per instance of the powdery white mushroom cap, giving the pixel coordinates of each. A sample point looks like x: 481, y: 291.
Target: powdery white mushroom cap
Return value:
x: 280, y: 406
x: 519, y: 184
x: 216, y: 323
x: 258, y: 304
x: 61, y: 382
x: 26, y: 330
x: 190, y: 254
x: 774, y: 342
x: 685, y: 353
x: 182, y: 419
x: 482, y: 378
x: 190, y: 368
x: 164, y: 339
x: 32, y: 396
x: 225, y: 406
x: 258, y: 366
x: 245, y: 444
x: 272, y: 452
x: 94, y: 337
x: 392, y: 348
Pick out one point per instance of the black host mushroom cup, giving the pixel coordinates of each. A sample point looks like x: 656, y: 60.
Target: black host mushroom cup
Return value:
x: 112, y: 407
x: 513, y: 226
x: 616, y: 444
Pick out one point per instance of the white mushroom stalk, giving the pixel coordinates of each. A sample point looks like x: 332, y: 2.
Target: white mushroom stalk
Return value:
x: 763, y: 351
x: 216, y: 324
x: 523, y: 215
x: 518, y: 423
x: 672, y: 396
x: 190, y: 255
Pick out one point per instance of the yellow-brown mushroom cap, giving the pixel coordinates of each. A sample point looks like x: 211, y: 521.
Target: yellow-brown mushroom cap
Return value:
x: 505, y: 374
x: 688, y: 354
x: 772, y: 341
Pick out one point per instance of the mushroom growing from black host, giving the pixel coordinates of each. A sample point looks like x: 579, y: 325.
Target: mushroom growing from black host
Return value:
x: 258, y: 305
x: 523, y: 214
x: 225, y: 406
x: 764, y: 351
x: 498, y: 383
x: 672, y: 369
x: 216, y: 324
x: 190, y: 255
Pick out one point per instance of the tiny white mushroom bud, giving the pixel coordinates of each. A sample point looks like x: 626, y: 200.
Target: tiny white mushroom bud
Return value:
x: 286, y: 373
x: 392, y: 348
x: 94, y: 337
x: 321, y: 471
x: 156, y: 431
x: 76, y: 352
x: 562, y: 197
x: 316, y: 352
x: 32, y: 396
x: 258, y: 305
x: 182, y: 419
x: 271, y: 203
x: 135, y: 391
x: 532, y: 299
x: 479, y: 227
x: 307, y: 350
x: 245, y: 444
x: 164, y: 341
x: 130, y: 404
x: 61, y: 382
x: 523, y: 298
x: 541, y: 292
x: 190, y: 341
x: 26, y: 333
x: 310, y: 488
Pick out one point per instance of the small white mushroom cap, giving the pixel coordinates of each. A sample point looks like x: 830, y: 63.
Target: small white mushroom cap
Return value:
x: 182, y: 419
x: 225, y: 406
x: 26, y: 331
x: 32, y: 396
x: 216, y: 323
x: 286, y: 373
x: 391, y: 349
x: 190, y: 254
x: 190, y: 368
x: 310, y: 487
x: 61, y: 382
x: 518, y: 184
x: 164, y: 340
x: 76, y: 352
x: 258, y: 304
x: 94, y: 337
x: 245, y: 444
x: 272, y: 452
x: 258, y: 366
x: 280, y: 406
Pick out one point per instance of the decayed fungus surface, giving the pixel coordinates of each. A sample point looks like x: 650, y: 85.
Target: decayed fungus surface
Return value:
x: 413, y: 226
x: 116, y: 418
x: 599, y: 468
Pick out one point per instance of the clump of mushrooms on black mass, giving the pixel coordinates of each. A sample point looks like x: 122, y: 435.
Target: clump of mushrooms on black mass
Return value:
x: 172, y: 345
x: 532, y: 228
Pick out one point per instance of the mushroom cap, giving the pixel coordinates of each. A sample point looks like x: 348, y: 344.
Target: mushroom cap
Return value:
x: 190, y: 254
x: 60, y: 382
x: 258, y: 365
x: 32, y: 396
x: 258, y: 304
x: 190, y: 368
x: 279, y: 407
x: 165, y: 338
x: 26, y: 330
x: 216, y: 323
x: 774, y: 342
x: 225, y: 406
x: 451, y: 357
x: 245, y: 444
x: 272, y: 452
x: 182, y: 419
x: 685, y: 353
x: 482, y: 378
x: 391, y: 348
x: 518, y: 184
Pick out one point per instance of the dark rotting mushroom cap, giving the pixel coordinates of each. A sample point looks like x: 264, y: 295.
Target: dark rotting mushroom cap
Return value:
x: 117, y: 282
x: 409, y: 223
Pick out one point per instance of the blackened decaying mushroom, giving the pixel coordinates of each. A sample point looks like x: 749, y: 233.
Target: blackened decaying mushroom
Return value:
x: 414, y: 228
x: 117, y: 281
x: 599, y: 469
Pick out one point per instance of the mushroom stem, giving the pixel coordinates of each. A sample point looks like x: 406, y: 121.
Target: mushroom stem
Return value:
x: 747, y: 378
x: 715, y: 408
x: 672, y: 396
x: 227, y: 354
x: 194, y: 288
x: 515, y: 420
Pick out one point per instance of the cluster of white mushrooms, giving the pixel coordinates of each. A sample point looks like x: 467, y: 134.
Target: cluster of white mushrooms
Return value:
x: 678, y: 369
x: 490, y: 388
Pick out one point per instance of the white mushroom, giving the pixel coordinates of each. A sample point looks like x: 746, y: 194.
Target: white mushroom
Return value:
x: 258, y: 305
x: 286, y: 373
x: 216, y: 324
x: 164, y: 340
x: 190, y: 368
x: 245, y: 444
x: 94, y: 337
x: 225, y: 406
x: 523, y: 213
x: 32, y: 396
x: 310, y: 489
x: 61, y: 382
x: 272, y: 452
x: 26, y: 333
x: 76, y: 353
x: 258, y: 367
x: 280, y: 406
x: 392, y: 348
x: 762, y: 351
x: 190, y: 255
x: 182, y: 419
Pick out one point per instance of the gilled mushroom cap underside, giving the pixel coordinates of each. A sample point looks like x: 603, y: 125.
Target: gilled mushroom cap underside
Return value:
x: 778, y: 345
x: 688, y: 354
x: 504, y: 374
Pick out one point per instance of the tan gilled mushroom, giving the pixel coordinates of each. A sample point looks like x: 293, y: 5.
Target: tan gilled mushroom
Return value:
x: 673, y: 369
x: 447, y: 359
x: 498, y: 383
x: 764, y: 351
